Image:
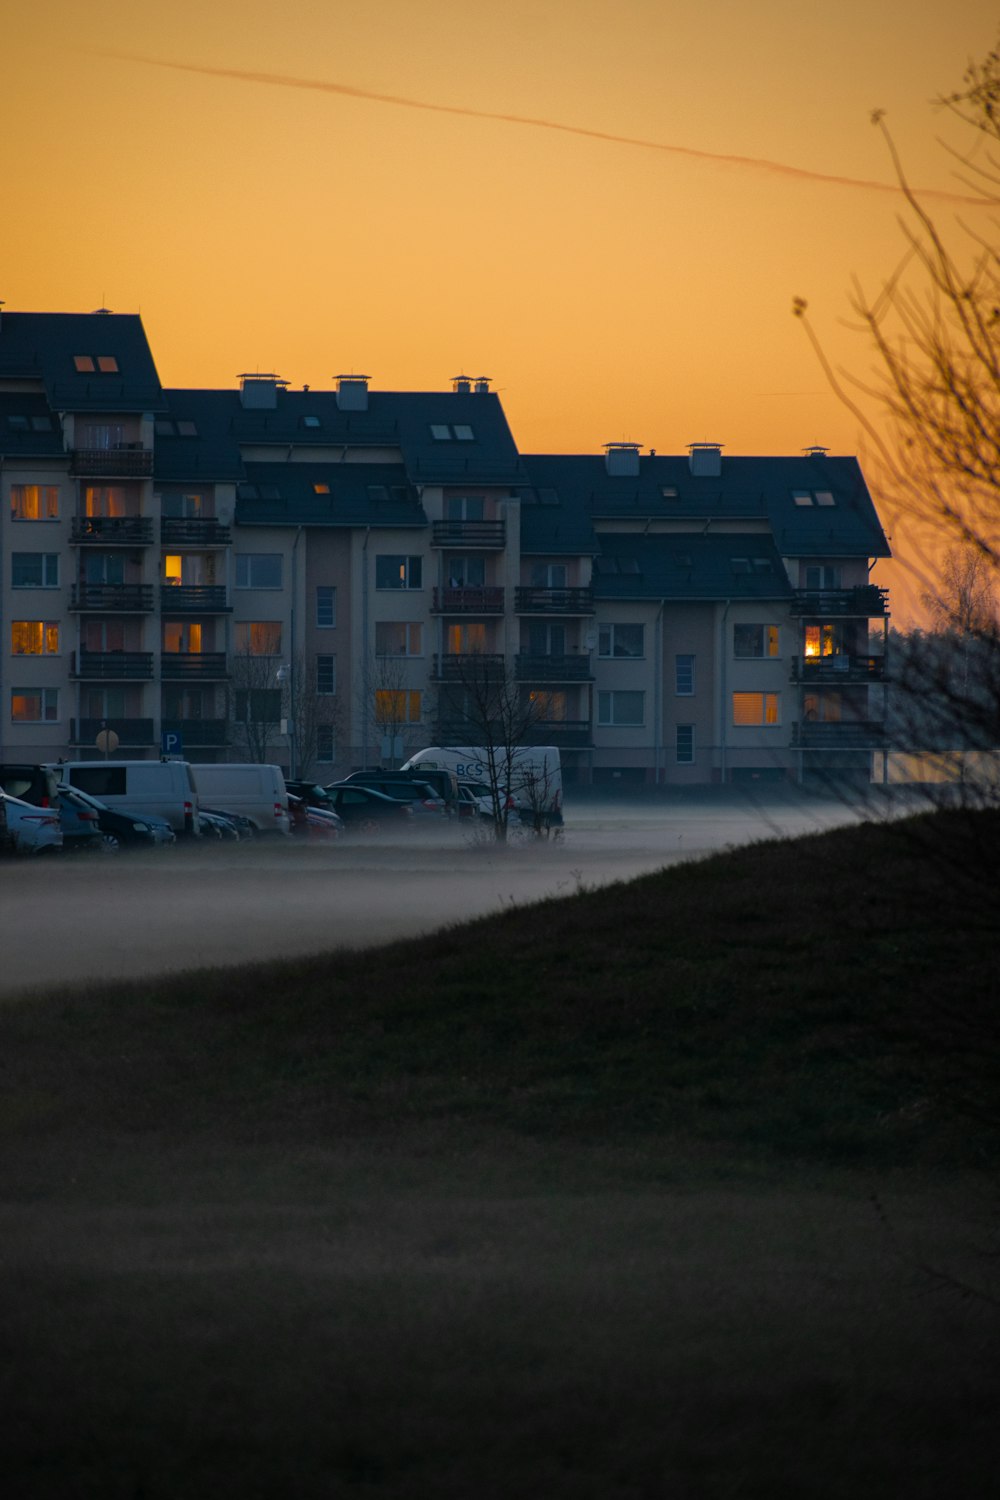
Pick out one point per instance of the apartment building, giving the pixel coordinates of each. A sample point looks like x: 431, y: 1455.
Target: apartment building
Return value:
x: 305, y: 576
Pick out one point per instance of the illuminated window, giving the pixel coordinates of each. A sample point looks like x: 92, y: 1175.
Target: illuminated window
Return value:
x: 107, y: 364
x: 398, y: 638
x: 83, y: 364
x: 752, y: 710
x: 620, y: 708
x: 823, y: 640
x: 755, y: 640
x: 549, y: 707
x: 34, y: 705
x: 34, y: 502
x: 396, y: 706
x: 258, y: 570
x: 326, y: 606
x: 34, y: 638
x: 392, y: 572
x: 326, y: 675
x: 321, y: 489
x: 104, y: 500
x: 182, y: 635
x: 684, y: 744
x: 34, y: 570
x: 465, y: 640
x: 173, y: 568
x: 621, y: 640
x: 802, y: 497
x: 258, y: 638
x: 684, y: 676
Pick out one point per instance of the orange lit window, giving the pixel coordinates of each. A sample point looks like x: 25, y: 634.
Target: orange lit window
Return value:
x: 104, y: 500
x: 396, y: 706
x: 107, y: 364
x: 83, y: 364
x: 258, y: 638
x: 34, y: 502
x: 751, y: 710
x: 466, y: 639
x: 34, y: 705
x: 321, y: 489
x: 34, y: 638
x: 172, y: 568
x: 821, y: 640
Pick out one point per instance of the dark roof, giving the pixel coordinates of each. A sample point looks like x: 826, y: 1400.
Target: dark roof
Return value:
x: 760, y: 489
x: 211, y: 453
x: 691, y: 565
x: 358, y: 495
x: 28, y: 428
x: 45, y: 346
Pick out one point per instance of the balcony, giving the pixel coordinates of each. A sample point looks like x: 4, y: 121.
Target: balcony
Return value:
x: 193, y: 599
x: 123, y: 461
x: 835, y: 670
x: 112, y: 531
x: 571, y: 668
x: 183, y: 531
x: 472, y: 667
x: 111, y: 666
x: 554, y: 601
x: 568, y: 734
x: 112, y: 598
x: 481, y: 535
x: 193, y: 666
x: 468, y: 601
x: 866, y: 601
x: 132, y: 733
x: 847, y: 735
x: 197, y: 734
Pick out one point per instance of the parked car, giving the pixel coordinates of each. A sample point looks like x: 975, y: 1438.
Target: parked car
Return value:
x: 32, y: 783
x: 256, y: 791
x: 159, y: 788
x: 31, y: 829
x: 424, y: 799
x: 365, y: 810
x: 313, y: 822
x: 216, y: 826
x: 81, y: 828
x: 474, y: 800
x: 120, y: 828
x: 245, y: 827
x: 442, y: 781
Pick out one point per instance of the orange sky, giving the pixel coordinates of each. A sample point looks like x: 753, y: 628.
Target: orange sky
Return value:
x: 611, y: 290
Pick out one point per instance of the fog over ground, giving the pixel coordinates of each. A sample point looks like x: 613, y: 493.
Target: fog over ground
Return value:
x: 88, y: 916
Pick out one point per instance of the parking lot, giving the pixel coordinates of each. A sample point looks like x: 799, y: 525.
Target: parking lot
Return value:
x: 91, y: 917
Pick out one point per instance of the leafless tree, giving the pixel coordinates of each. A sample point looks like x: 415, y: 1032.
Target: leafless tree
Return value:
x: 257, y: 699
x: 964, y: 597
x: 309, y: 712
x: 389, y: 721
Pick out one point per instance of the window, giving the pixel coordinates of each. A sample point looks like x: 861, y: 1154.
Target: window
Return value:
x: 621, y: 640
x: 684, y: 744
x: 684, y: 676
x: 750, y: 710
x: 822, y: 576
x: 182, y: 635
x: 324, y: 744
x: 164, y: 428
x: 104, y: 500
x: 392, y: 572
x: 34, y: 502
x: 326, y: 606
x: 319, y: 488
x: 441, y: 432
x: 548, y: 575
x: 464, y: 508
x: 310, y: 421
x: 34, y: 570
x: 396, y: 706
x: 463, y: 432
x: 824, y: 497
x: 466, y: 572
x: 258, y: 706
x: 813, y: 497
x: 755, y: 640
x: 187, y: 429
x: 83, y: 364
x: 104, y: 435
x: 34, y: 638
x: 107, y: 364
x: 86, y: 364
x: 34, y: 705
x: 827, y: 640
x: 802, y: 497
x: 399, y: 638
x: 326, y: 675
x: 740, y: 565
x: 258, y: 570
x: 190, y: 507
x: 258, y: 638
x: 620, y: 708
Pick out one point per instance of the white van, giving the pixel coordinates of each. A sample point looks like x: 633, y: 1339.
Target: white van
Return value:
x: 533, y: 778
x: 159, y: 788
x: 258, y: 792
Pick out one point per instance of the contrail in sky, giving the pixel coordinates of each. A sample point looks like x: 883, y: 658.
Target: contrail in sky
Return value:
x: 758, y: 163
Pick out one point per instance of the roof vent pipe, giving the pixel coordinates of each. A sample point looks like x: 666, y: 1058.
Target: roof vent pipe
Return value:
x: 482, y: 385
x: 352, y: 392
x: 461, y: 384
x: 622, y: 460
x: 815, y: 450
x: 705, y: 460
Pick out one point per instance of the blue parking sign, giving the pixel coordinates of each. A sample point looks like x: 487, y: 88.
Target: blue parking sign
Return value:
x: 170, y: 743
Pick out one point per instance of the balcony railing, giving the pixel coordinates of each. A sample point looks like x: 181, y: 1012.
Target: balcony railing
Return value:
x: 530, y: 601
x: 193, y: 599
x: 112, y: 598
x: 184, y: 531
x: 838, y: 669
x: 197, y: 733
x: 112, y: 531
x: 130, y: 732
x: 471, y: 667
x: 572, y: 668
x: 567, y: 733
x: 193, y: 666
x: 111, y: 666
x: 468, y: 601
x: 848, y: 735
x: 126, y: 461
x: 867, y: 601
x: 477, y: 534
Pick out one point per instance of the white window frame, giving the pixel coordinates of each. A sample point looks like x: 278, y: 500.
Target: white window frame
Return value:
x: 48, y: 701
x: 48, y: 558
x: 684, y: 674
x: 614, y: 655
x: 245, y: 569
x: 326, y: 594
x: 684, y: 745
x: 607, y: 717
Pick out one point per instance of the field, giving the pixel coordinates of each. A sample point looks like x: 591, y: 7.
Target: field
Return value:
x: 680, y: 1186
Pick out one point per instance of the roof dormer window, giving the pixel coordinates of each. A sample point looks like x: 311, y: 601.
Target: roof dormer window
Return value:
x: 83, y: 364
x: 802, y: 497
x: 103, y: 364
x: 107, y: 364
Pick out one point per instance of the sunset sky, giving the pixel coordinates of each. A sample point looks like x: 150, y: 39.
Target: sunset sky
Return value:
x: 611, y: 289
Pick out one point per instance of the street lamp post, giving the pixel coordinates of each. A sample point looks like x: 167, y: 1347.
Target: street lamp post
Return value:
x: 284, y: 674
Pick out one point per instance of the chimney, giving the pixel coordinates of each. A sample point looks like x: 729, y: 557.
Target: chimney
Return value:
x: 461, y: 385
x: 260, y: 392
x: 705, y: 460
x: 815, y: 450
x: 482, y: 385
x: 352, y: 392
x: 622, y: 460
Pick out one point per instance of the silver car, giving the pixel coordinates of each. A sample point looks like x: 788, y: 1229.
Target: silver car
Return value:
x: 30, y: 829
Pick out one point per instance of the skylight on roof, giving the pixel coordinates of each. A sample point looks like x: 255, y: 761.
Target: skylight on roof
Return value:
x: 762, y: 565
x: 17, y: 424
x: 107, y: 364
x: 41, y: 424
x: 103, y: 364
x: 802, y: 497
x: 464, y: 433
x: 310, y: 421
x: 824, y: 497
x: 740, y: 564
x: 83, y: 363
x: 321, y: 489
x: 164, y: 428
x: 440, y: 432
x: 669, y: 491
x: 187, y: 429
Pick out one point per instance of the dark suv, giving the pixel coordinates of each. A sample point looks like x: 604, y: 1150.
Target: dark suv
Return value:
x: 443, y: 783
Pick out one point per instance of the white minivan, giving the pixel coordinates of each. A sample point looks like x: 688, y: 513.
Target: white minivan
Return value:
x: 159, y: 788
x: 257, y: 792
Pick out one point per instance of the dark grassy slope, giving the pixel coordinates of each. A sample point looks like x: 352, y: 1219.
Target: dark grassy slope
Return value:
x: 832, y: 998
